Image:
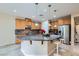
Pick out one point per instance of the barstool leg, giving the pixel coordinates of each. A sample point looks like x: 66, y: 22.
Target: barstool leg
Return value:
x: 57, y: 50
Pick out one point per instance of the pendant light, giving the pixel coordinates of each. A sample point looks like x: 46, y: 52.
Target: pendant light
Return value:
x: 36, y: 24
x: 36, y: 5
x: 36, y: 9
x: 49, y: 12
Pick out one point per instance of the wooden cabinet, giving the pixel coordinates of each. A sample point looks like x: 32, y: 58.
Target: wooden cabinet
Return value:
x: 20, y: 24
x: 60, y: 21
x: 28, y: 22
x: 66, y: 21
x: 23, y: 24
x: 18, y: 41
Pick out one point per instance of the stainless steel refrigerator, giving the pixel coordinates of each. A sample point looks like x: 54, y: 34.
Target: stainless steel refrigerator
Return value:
x: 65, y: 33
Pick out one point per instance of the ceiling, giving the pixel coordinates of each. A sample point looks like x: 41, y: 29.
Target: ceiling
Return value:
x: 41, y: 11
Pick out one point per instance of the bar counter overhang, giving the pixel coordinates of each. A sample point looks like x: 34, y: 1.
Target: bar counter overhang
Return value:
x: 38, y: 45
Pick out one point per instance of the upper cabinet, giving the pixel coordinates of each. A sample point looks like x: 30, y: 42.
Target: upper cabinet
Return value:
x: 67, y: 21
x: 22, y: 23
x: 28, y: 22
x: 64, y: 21
x: 60, y: 21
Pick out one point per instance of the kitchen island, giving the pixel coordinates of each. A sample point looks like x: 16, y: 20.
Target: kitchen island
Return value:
x: 38, y: 45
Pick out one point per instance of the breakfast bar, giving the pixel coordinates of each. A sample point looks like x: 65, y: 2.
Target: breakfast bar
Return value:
x: 38, y: 45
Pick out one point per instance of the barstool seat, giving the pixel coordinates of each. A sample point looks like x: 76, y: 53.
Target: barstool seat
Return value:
x: 62, y: 41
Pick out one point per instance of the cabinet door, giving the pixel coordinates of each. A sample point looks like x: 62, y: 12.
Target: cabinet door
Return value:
x: 20, y: 24
x: 28, y: 22
x: 60, y: 21
x: 67, y: 21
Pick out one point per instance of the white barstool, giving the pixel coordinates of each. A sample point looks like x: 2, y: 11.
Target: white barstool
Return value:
x: 57, y: 46
x: 62, y: 41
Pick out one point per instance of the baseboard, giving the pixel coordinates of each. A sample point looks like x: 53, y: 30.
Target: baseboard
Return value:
x: 8, y: 45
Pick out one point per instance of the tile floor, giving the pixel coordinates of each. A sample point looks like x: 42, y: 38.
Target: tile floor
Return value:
x: 12, y: 50
x: 67, y: 50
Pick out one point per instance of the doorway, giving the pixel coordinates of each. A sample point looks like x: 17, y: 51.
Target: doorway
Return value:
x: 76, y: 41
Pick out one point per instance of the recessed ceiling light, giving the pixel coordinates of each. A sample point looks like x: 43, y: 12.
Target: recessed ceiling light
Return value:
x: 45, y: 10
x: 36, y: 3
x: 14, y: 10
x: 54, y: 16
x: 40, y: 15
x: 49, y: 5
x: 55, y: 10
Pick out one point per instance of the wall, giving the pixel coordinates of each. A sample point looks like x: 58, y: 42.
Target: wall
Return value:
x: 7, y: 29
x: 73, y: 28
x: 77, y: 34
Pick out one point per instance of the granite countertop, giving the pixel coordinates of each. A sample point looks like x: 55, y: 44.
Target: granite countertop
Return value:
x: 39, y: 37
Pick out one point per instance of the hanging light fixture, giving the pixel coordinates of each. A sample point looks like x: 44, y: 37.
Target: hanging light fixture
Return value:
x: 36, y: 4
x: 49, y: 14
x: 36, y: 24
x: 49, y: 11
